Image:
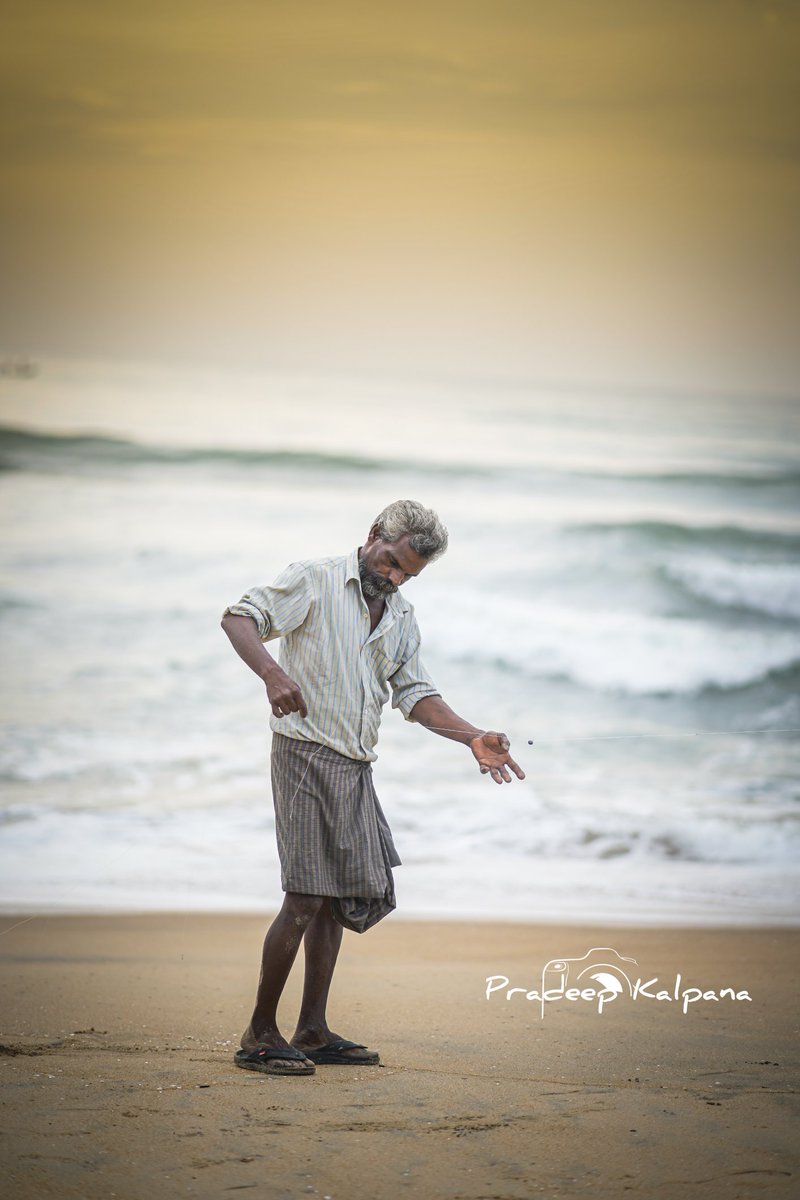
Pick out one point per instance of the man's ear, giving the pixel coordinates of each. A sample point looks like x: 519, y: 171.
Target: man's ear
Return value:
x: 373, y: 535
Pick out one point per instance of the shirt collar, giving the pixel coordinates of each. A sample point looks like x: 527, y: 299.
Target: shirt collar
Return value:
x: 395, y: 602
x: 352, y: 567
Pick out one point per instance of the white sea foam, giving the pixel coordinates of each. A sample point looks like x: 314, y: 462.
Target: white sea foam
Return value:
x: 772, y: 588
x: 602, y: 649
x: 225, y: 859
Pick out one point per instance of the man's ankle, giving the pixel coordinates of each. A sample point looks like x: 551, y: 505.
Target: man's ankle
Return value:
x: 257, y: 1033
x: 311, y: 1031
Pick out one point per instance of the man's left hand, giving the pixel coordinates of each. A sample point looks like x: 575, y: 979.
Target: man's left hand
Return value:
x: 491, y: 752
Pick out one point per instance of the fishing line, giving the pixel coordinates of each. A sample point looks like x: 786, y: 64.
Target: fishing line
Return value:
x: 609, y: 737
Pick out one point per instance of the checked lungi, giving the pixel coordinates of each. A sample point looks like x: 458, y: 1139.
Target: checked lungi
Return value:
x: 333, y: 839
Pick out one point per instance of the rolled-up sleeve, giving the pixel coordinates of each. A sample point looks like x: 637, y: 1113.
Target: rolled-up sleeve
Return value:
x: 411, y: 681
x: 277, y: 608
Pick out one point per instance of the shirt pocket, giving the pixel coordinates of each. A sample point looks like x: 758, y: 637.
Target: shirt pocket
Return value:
x: 386, y: 658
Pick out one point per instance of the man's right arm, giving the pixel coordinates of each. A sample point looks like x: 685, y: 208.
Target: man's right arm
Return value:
x: 284, y: 694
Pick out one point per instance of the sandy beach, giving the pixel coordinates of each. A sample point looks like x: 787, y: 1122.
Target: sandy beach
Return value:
x: 118, y: 1034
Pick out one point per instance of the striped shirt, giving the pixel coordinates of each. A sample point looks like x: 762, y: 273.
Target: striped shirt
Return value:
x: 317, y: 609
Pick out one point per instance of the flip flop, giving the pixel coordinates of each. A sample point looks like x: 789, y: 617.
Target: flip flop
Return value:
x: 333, y: 1053
x: 267, y: 1059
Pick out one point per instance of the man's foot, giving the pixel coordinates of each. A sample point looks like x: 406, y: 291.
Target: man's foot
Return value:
x: 252, y: 1043
x: 270, y: 1060
x: 329, y: 1048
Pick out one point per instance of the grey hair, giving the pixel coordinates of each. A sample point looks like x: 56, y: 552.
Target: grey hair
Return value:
x: 427, y: 536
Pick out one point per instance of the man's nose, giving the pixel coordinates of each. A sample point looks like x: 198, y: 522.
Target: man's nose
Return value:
x: 397, y: 576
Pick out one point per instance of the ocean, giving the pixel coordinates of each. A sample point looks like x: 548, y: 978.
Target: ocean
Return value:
x: 622, y: 591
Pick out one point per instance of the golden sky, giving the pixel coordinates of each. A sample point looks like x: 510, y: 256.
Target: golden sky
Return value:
x: 563, y: 189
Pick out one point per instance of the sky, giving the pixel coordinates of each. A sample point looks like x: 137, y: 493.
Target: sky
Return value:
x: 606, y: 192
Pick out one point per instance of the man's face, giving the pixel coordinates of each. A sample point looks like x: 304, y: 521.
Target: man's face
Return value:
x: 385, y: 566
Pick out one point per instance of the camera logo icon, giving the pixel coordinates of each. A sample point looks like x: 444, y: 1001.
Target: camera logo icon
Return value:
x: 601, y: 966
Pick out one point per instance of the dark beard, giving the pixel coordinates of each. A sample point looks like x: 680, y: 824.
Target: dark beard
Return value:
x: 374, y: 585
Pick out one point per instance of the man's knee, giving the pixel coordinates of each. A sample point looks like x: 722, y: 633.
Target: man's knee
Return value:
x: 301, y: 907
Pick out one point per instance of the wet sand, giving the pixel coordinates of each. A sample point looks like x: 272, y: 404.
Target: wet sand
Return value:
x: 117, y: 1075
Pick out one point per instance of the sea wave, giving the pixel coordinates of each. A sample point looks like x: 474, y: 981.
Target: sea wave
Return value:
x: 28, y: 450
x: 666, y: 534
x: 608, y: 650
x: 727, y: 475
x: 767, y: 588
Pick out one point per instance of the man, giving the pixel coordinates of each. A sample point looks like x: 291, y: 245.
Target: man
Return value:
x: 347, y: 636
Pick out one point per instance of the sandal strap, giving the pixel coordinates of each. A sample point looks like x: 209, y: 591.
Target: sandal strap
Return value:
x: 267, y: 1052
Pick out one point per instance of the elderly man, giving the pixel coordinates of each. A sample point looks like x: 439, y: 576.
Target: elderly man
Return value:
x: 347, y: 636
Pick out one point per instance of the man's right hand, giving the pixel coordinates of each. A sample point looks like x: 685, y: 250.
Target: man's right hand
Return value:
x: 284, y: 694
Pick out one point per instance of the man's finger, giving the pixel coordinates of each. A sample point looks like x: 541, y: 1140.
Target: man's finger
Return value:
x: 497, y: 738
x: 290, y: 704
x: 516, y: 768
x: 294, y: 703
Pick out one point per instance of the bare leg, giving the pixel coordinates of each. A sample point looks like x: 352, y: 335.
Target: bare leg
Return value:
x: 280, y: 950
x: 322, y: 941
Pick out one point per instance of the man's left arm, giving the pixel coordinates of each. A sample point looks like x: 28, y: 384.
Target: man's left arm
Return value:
x: 489, y: 747
x: 417, y: 697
